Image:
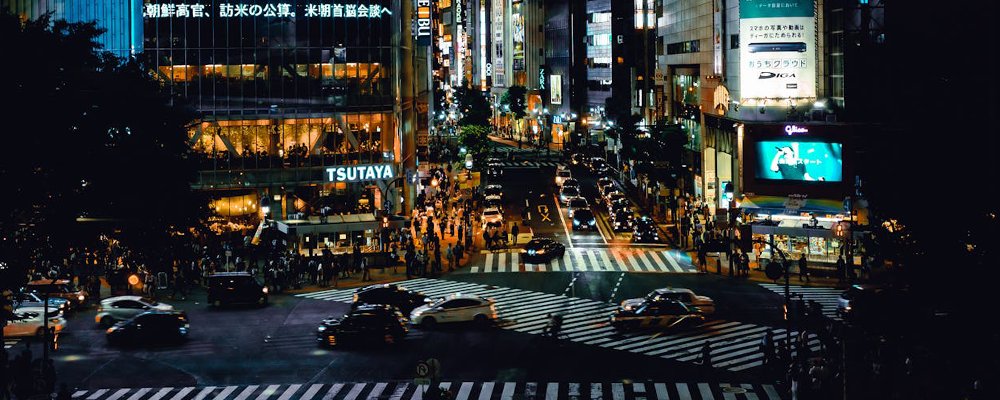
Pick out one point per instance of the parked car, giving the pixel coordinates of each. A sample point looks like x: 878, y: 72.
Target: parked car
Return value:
x: 60, y: 288
x: 568, y: 193
x: 584, y: 220
x: 669, y: 314
x: 561, y: 174
x: 578, y: 203
x: 702, y: 304
x: 120, y: 308
x: 645, y: 231
x: 366, y: 323
x: 30, y: 299
x: 27, y: 321
x: 621, y: 221
x: 389, y: 294
x: 455, y: 308
x: 150, y: 328
x: 542, y: 250
x: 235, y: 288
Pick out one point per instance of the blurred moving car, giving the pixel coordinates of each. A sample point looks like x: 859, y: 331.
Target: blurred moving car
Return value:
x: 389, y: 294
x: 669, y: 314
x: 30, y: 299
x: 578, y: 203
x: 702, y: 304
x: 27, y: 321
x: 366, y: 323
x: 584, y: 220
x: 235, y: 288
x: 455, y: 308
x: 568, y: 193
x: 151, y: 328
x: 120, y: 308
x: 645, y: 231
x: 562, y: 173
x: 542, y: 250
x: 60, y: 288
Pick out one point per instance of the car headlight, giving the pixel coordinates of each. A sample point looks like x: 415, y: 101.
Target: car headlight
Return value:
x: 531, y: 252
x: 575, y: 222
x: 540, y: 251
x: 322, y: 328
x: 264, y: 289
x: 81, y: 297
x: 592, y: 221
x: 354, y: 299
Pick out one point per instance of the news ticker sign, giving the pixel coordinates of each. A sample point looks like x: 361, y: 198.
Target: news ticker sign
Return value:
x: 422, y: 23
x: 277, y: 10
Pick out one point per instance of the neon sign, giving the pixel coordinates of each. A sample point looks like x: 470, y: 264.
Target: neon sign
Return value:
x: 278, y: 10
x: 794, y: 129
x: 358, y: 173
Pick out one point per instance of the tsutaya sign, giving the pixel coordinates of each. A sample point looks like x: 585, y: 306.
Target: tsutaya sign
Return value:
x: 239, y: 10
x: 358, y: 173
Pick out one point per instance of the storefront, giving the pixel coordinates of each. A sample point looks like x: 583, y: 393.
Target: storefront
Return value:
x: 796, y: 226
x: 337, y: 233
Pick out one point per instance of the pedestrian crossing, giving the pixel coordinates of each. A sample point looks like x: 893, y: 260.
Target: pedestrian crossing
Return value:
x: 593, y: 260
x: 527, y: 164
x: 10, y: 342
x: 734, y: 344
x: 825, y: 296
x: 460, y: 390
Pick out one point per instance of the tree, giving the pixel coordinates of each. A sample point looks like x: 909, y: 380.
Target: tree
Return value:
x: 474, y: 106
x: 474, y: 138
x: 513, y: 102
x: 90, y: 136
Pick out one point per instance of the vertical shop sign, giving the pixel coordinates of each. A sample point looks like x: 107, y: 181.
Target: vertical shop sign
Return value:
x: 717, y: 37
x: 422, y: 24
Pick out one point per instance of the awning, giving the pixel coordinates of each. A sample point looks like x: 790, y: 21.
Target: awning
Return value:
x: 336, y: 224
x: 784, y: 205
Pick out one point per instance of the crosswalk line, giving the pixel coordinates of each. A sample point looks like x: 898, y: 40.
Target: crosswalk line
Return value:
x: 287, y: 394
x: 333, y: 391
x: 502, y: 262
x: 653, y: 255
x: 164, y: 391
x: 139, y: 394
x: 592, y: 256
x: 489, y: 262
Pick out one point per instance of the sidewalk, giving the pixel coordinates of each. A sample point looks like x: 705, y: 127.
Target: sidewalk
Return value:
x: 554, y: 147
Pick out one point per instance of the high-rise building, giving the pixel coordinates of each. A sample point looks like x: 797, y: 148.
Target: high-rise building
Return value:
x: 121, y: 19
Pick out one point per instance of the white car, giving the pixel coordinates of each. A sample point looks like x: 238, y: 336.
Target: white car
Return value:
x: 28, y: 322
x: 122, y: 308
x: 562, y: 174
x: 492, y: 215
x: 455, y: 308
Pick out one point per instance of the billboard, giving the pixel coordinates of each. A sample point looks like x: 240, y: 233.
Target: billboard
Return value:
x: 517, y: 25
x: 777, y: 49
x: 497, y: 21
x: 555, y: 89
x: 799, y: 161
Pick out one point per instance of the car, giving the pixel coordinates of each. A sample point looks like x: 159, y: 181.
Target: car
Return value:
x: 584, y: 219
x: 235, y: 288
x: 645, y: 231
x: 492, y: 215
x: 578, y: 203
x: 612, y: 196
x: 494, y: 170
x: 561, y: 174
x: 120, y: 308
x: 578, y: 159
x: 379, y: 323
x: 619, y: 204
x: 60, y: 288
x: 542, y: 250
x: 599, y: 166
x: 604, y: 189
x: 594, y: 160
x: 29, y: 299
x: 604, y: 181
x: 621, y: 220
x: 150, y: 328
x: 667, y: 314
x: 389, y: 294
x: 702, y: 304
x: 571, y: 182
x: 493, y: 191
x: 865, y: 303
x: 568, y: 193
x: 27, y: 322
x: 493, y: 202
x: 455, y: 308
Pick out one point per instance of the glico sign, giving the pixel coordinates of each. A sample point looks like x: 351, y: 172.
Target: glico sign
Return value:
x: 359, y: 173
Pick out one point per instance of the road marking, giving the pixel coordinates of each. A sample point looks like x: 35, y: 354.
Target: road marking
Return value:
x: 673, y: 263
x: 617, y: 391
x: 486, y: 391
x: 661, y: 391
x: 398, y: 393
x: 201, y: 395
x: 508, y: 391
x: 355, y: 391
x: 139, y: 394
x: 502, y: 262
x: 163, y: 392
x: 246, y: 392
x: 289, y: 392
x: 117, y: 395
x: 552, y: 391
x: 333, y: 391
x: 569, y: 237
x: 489, y: 262
x: 617, y: 285
x: 271, y: 389
x: 683, y: 392
x: 463, y: 392
x: 706, y: 391
x: 593, y: 261
x: 515, y: 259
x: 595, y: 392
x: 225, y: 392
x: 659, y: 262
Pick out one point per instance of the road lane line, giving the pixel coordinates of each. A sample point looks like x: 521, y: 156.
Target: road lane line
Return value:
x: 569, y: 237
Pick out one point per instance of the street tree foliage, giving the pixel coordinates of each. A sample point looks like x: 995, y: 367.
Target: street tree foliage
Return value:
x: 474, y: 106
x: 515, y: 100
x: 474, y: 138
x: 90, y: 137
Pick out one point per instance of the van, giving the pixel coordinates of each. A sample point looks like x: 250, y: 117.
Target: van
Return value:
x: 235, y: 288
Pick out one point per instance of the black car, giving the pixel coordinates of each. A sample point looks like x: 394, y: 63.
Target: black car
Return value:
x: 584, y: 220
x: 645, y: 231
x: 151, y: 328
x: 619, y: 204
x: 599, y: 166
x: 374, y: 323
x: 542, y: 250
x: 235, y: 288
x: 665, y: 314
x: 578, y: 159
x: 493, y: 190
x: 494, y: 170
x: 389, y: 294
x: 621, y: 220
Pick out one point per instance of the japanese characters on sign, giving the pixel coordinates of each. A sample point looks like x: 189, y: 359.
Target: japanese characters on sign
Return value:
x: 279, y: 10
x: 777, y: 49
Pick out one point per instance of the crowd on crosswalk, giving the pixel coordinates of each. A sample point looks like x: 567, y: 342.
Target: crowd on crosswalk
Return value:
x: 592, y: 259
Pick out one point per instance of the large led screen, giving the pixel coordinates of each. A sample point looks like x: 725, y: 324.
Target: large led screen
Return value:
x: 800, y: 161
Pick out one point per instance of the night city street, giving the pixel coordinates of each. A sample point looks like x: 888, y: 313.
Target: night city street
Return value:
x: 499, y: 200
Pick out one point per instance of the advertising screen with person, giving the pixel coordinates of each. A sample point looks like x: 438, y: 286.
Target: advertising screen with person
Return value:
x: 800, y: 161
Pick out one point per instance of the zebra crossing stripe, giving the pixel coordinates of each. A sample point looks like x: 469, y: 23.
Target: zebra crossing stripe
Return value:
x: 487, y: 391
x: 247, y: 391
x: 593, y: 261
x: 502, y: 260
x: 289, y: 392
x: 463, y: 392
x: 489, y: 262
x: 333, y: 391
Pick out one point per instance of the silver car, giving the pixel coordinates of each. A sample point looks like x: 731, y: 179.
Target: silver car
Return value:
x: 123, y: 308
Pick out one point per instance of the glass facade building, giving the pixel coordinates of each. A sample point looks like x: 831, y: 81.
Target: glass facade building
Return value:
x: 285, y: 89
x: 121, y: 19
